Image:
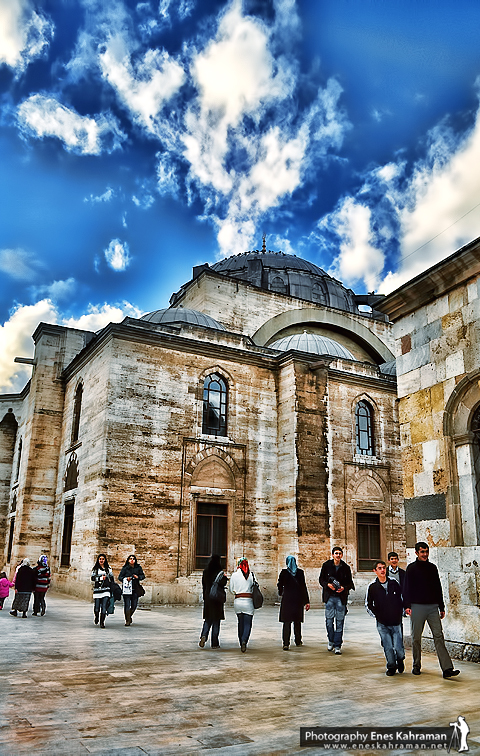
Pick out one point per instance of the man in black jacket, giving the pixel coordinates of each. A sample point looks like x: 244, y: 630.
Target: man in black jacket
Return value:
x: 423, y: 599
x: 384, y: 602
x: 394, y: 572
x: 336, y: 581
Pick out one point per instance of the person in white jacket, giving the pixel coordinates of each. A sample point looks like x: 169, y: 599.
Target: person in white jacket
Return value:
x: 241, y: 585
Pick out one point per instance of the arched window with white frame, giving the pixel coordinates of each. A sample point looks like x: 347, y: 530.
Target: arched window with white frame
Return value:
x: 364, y: 435
x: 215, y: 403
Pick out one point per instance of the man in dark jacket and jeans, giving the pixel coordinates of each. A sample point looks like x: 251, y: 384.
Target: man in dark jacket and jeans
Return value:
x: 423, y: 599
x: 336, y: 581
x: 384, y: 602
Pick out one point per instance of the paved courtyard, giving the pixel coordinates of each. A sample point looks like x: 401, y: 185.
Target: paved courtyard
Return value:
x: 67, y: 687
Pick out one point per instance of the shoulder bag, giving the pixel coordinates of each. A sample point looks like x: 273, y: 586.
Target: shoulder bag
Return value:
x: 217, y: 592
x: 257, y: 596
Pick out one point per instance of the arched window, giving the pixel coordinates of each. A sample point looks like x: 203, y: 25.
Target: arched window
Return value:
x: 71, y: 475
x: 19, y: 460
x: 364, y: 428
x: 77, y: 409
x: 475, y: 427
x: 214, y: 406
x: 278, y: 285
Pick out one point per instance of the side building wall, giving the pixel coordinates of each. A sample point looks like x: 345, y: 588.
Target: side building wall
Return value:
x: 438, y: 366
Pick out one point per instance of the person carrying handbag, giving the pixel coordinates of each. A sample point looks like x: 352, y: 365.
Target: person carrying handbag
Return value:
x: 102, y: 579
x: 213, y: 611
x: 130, y: 576
x: 241, y: 585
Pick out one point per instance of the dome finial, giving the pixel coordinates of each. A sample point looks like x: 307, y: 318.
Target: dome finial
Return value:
x: 264, y: 248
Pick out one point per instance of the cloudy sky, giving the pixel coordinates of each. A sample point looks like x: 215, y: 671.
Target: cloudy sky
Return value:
x: 138, y: 139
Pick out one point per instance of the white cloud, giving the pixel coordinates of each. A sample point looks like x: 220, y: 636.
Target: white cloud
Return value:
x: 45, y: 117
x: 276, y: 172
x: 359, y: 258
x: 117, y: 255
x: 236, y: 73
x: 145, y: 87
x: 107, y: 196
x: 16, y: 341
x: 16, y: 333
x: 166, y: 176
x: 98, y: 316
x: 24, y: 34
x: 57, y: 290
x: 19, y: 264
x: 242, y: 171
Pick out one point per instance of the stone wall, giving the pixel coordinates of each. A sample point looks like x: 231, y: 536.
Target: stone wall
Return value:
x: 438, y: 368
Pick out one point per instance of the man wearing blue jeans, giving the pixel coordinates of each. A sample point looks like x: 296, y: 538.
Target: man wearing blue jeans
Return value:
x: 384, y: 602
x: 336, y: 581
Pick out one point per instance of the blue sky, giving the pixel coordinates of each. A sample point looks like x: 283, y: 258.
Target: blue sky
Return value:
x: 138, y: 139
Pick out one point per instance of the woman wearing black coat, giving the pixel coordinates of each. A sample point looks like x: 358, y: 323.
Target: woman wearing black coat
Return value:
x: 293, y: 590
x: 213, y: 612
x: 130, y: 576
x: 24, y: 585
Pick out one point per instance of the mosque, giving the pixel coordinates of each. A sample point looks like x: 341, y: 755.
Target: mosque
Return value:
x: 256, y: 416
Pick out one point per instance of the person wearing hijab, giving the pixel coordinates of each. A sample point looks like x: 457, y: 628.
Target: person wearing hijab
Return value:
x: 130, y: 576
x: 24, y: 585
x: 102, y: 579
x: 213, y: 611
x: 293, y: 590
x: 241, y: 585
x: 42, y: 583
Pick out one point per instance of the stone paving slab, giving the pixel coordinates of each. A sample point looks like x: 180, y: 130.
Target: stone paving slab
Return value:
x: 68, y: 687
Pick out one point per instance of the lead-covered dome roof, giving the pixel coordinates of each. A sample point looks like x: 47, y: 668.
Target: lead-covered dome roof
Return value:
x: 178, y: 315
x: 312, y: 343
x: 290, y: 275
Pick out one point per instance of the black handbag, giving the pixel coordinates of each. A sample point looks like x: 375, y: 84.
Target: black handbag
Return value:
x: 116, y: 592
x: 138, y: 589
x: 257, y: 595
x: 217, y: 592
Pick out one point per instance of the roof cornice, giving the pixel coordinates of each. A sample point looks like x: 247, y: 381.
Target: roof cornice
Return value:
x: 433, y: 283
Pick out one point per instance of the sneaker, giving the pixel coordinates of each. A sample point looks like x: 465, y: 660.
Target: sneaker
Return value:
x: 390, y: 672
x: 416, y: 671
x: 330, y: 647
x: 202, y: 641
x: 450, y: 673
x: 244, y: 647
x: 299, y: 643
x: 13, y: 612
x: 400, y: 666
x: 338, y: 650
x: 286, y: 648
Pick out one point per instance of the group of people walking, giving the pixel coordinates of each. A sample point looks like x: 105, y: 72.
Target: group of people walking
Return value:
x: 106, y: 590
x: 415, y: 592
x: 27, y: 580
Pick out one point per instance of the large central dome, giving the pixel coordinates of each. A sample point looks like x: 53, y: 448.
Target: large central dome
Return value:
x: 288, y: 274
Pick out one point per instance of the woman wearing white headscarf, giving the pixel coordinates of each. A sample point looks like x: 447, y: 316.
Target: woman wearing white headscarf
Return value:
x: 293, y: 590
x: 24, y: 585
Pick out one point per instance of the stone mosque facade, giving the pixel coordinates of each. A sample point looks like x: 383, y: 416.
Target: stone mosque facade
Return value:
x: 256, y: 416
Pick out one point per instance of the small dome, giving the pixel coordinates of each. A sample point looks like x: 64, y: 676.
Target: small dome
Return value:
x: 177, y: 315
x: 388, y: 368
x: 312, y: 343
